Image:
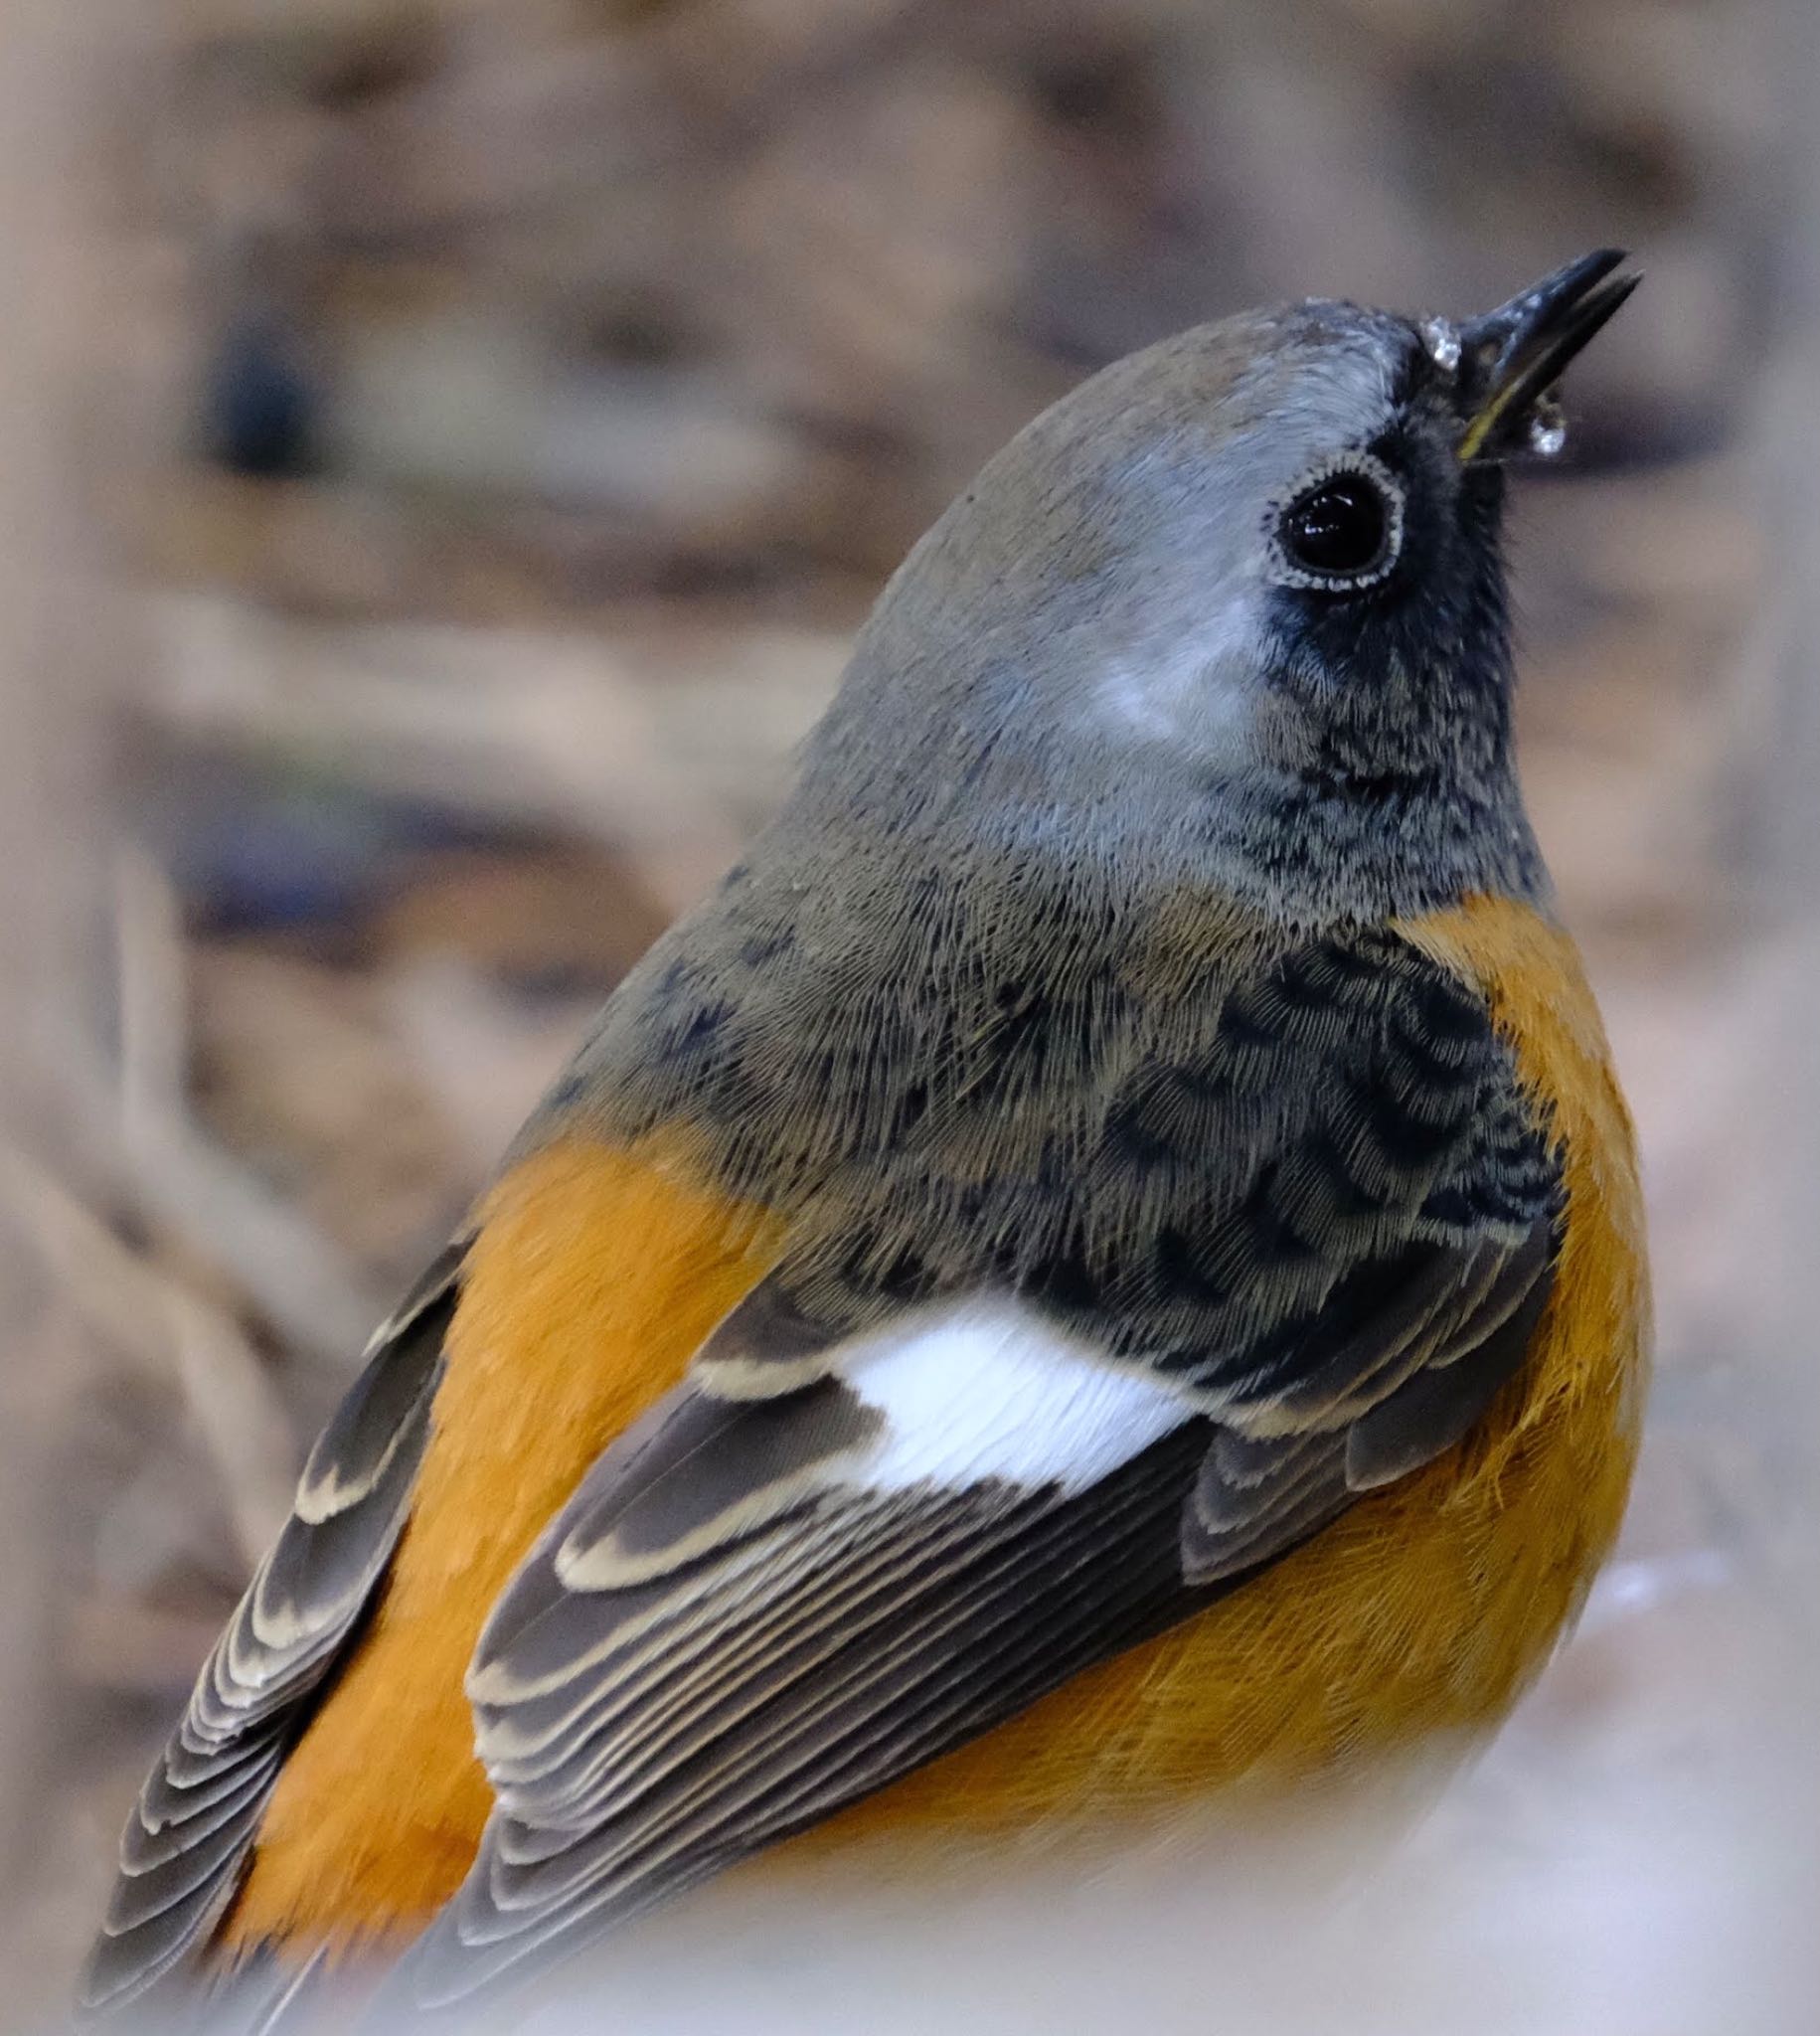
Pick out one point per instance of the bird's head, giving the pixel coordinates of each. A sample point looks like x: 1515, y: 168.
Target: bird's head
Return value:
x: 1237, y: 603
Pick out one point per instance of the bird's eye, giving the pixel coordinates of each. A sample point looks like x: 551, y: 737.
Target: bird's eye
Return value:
x: 1342, y: 529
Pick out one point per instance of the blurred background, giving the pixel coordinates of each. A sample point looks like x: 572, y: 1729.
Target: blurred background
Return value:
x: 444, y: 448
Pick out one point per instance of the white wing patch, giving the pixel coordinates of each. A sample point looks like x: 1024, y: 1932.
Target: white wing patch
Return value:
x: 990, y: 1390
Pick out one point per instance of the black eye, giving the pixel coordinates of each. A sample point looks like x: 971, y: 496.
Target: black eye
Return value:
x: 1342, y: 530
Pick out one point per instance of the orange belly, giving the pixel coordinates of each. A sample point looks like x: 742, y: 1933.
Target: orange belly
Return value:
x: 597, y: 1274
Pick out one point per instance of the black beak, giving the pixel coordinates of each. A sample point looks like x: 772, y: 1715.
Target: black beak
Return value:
x: 1511, y: 358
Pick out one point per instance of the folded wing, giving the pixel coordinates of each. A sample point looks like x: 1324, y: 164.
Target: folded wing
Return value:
x: 838, y: 1552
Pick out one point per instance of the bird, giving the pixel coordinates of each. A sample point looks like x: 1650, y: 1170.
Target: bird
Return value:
x: 1104, y: 1259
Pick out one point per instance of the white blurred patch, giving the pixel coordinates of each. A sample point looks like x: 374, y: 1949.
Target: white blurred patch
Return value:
x: 1624, y: 1861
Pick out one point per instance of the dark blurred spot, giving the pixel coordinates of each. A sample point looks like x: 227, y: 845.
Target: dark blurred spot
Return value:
x: 644, y: 333
x: 872, y: 442
x: 1103, y: 89
x: 702, y: 573
x: 1649, y: 161
x: 259, y: 403
x: 375, y: 64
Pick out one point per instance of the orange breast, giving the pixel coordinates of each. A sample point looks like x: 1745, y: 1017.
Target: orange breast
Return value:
x: 597, y: 1274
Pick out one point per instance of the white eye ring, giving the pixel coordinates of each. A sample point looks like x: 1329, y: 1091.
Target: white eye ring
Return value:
x: 1288, y: 570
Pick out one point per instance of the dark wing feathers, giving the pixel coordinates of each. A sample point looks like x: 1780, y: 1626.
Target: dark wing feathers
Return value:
x: 727, y: 1633
x: 378, y: 1415
x: 1459, y: 1333
x: 1437, y: 1407
x: 895, y: 1628
x: 708, y: 1474
x: 198, y: 1811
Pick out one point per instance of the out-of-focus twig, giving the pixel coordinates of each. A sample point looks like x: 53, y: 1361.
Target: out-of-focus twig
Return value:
x: 292, y: 1275
x: 166, y: 1329
x: 675, y: 751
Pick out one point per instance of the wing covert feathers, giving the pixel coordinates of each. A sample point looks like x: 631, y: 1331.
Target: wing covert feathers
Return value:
x: 641, y: 1739
x: 739, y: 1624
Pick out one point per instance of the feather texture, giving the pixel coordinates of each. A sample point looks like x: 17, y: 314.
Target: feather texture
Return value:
x: 776, y: 1594
x: 198, y: 1811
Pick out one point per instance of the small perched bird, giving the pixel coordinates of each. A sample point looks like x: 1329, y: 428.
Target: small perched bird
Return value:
x: 1105, y: 1256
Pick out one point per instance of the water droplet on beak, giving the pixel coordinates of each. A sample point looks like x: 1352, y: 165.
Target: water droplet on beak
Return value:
x: 1443, y: 339
x: 1547, y: 430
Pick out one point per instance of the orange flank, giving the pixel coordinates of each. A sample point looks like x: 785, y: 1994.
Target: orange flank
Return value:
x: 597, y: 1274
x: 594, y: 1279
x: 1428, y: 1606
